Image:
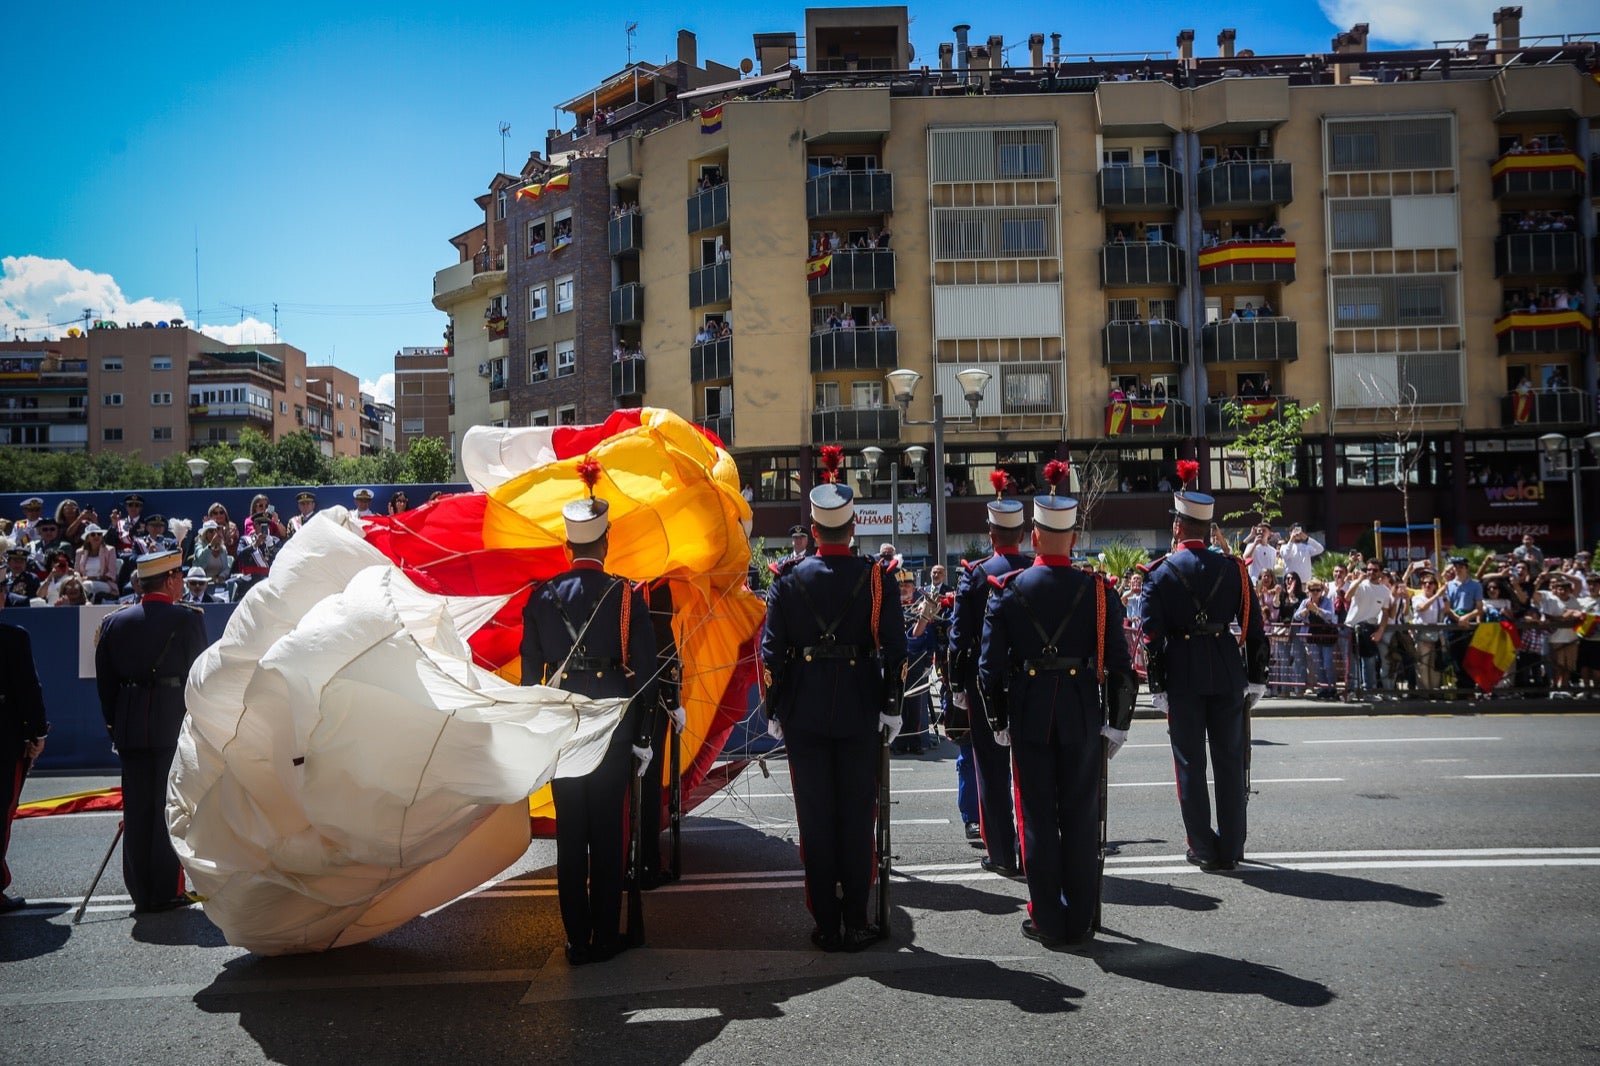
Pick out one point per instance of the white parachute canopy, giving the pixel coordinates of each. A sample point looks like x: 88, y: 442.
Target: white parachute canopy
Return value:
x: 344, y: 765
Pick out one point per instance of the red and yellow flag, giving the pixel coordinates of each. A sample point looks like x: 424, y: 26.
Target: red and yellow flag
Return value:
x: 559, y: 182
x: 1587, y: 625
x: 1492, y: 652
x: 1521, y: 407
x: 530, y: 192
x: 1147, y: 412
x: 818, y: 265
x: 1527, y: 161
x: 711, y: 119
x: 1231, y: 253
x: 1257, y: 410
x: 1542, y: 320
x: 1116, y: 417
x: 95, y: 799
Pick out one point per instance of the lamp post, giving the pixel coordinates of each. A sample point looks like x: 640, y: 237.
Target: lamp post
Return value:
x: 903, y: 385
x: 242, y: 467
x: 1567, y: 455
x: 197, y: 470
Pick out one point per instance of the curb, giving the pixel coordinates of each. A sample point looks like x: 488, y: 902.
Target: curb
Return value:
x: 1282, y: 708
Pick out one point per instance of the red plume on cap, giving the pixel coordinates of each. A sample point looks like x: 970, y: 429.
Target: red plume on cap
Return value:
x: 589, y: 471
x: 832, y: 459
x: 1188, y: 471
x: 1055, y: 472
x: 999, y: 479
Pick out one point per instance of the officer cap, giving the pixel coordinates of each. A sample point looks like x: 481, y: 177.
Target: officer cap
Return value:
x: 832, y: 506
x: 155, y: 520
x: 157, y: 563
x: 17, y: 553
x: 306, y: 497
x: 363, y: 494
x: 798, y: 530
x: 32, y: 503
x: 1005, y: 514
x: 1195, y: 505
x: 133, y: 497
x: 1057, y: 514
x: 587, y: 520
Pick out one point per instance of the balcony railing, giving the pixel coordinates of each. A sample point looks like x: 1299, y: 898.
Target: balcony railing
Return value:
x: 854, y: 424
x: 625, y: 234
x: 1125, y: 263
x: 721, y: 425
x: 710, y: 285
x: 1545, y: 407
x: 1147, y: 185
x: 1164, y: 343
x: 627, y: 304
x: 711, y: 361
x: 1147, y: 418
x: 850, y: 193
x: 1542, y: 332
x: 627, y: 378
x: 36, y: 415
x: 1251, y: 340
x: 1236, y: 262
x: 1551, y: 252
x: 855, y: 349
x: 1252, y: 409
x: 229, y: 410
x: 1557, y: 174
x: 708, y: 209
x: 869, y: 270
x: 1246, y: 183
x: 484, y: 262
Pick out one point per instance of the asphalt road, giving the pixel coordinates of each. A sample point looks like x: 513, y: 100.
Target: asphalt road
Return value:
x: 1422, y: 890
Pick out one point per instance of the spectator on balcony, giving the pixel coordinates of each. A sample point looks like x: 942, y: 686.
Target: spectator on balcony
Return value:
x: 848, y: 323
x: 1267, y: 310
x: 1515, y: 148
x: 1275, y: 232
x: 1558, y: 380
x: 1536, y: 144
x: 1116, y: 392
x: 1159, y: 391
x: 1249, y: 312
x: 97, y: 563
x: 725, y: 331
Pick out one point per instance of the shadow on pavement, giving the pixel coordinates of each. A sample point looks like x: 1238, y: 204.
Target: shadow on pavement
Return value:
x: 187, y: 927
x: 1132, y: 892
x: 29, y: 933
x: 1318, y: 885
x: 1201, y: 971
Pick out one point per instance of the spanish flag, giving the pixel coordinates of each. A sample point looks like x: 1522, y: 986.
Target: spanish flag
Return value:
x: 559, y: 182
x: 1147, y: 413
x: 817, y: 266
x: 1116, y: 417
x: 1257, y: 410
x: 530, y: 192
x: 1234, y: 253
x: 1542, y: 320
x: 1521, y: 407
x: 1526, y: 161
x: 1587, y: 625
x: 96, y: 799
x: 1492, y: 652
x: 711, y: 119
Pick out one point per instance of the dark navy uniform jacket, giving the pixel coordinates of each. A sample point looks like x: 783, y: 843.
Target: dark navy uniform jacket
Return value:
x: 21, y: 700
x: 142, y: 657
x: 972, y: 599
x: 841, y: 691
x: 1191, y: 657
x: 1046, y: 698
x: 596, y: 669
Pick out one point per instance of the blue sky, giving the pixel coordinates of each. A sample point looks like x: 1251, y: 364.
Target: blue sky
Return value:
x: 323, y: 153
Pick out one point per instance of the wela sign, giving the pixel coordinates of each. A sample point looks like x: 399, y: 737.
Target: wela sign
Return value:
x: 1522, y: 494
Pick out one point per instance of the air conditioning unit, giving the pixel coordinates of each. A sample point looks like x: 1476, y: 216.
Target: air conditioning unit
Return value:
x: 483, y: 370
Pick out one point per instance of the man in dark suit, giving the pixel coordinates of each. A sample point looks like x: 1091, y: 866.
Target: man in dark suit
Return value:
x: 22, y: 732
x: 992, y: 763
x: 589, y: 632
x: 1199, y: 678
x: 1052, y: 638
x: 142, y: 657
x: 833, y: 656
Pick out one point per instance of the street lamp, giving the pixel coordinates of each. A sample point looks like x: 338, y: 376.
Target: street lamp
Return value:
x: 1566, y: 456
x: 242, y: 467
x: 197, y: 470
x: 872, y: 455
x: 903, y: 386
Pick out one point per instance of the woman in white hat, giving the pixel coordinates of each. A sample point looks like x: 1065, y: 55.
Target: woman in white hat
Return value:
x: 97, y: 562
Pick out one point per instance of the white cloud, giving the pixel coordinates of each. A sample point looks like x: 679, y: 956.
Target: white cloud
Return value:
x: 1418, y: 23
x: 381, y: 390
x: 249, y: 331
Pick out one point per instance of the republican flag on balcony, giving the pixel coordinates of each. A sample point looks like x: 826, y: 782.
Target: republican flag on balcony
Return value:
x: 711, y: 119
x: 1257, y: 410
x: 1521, y: 407
x: 530, y: 192
x: 1491, y: 653
x: 1116, y: 417
x: 818, y: 266
x: 1147, y: 413
x: 559, y: 182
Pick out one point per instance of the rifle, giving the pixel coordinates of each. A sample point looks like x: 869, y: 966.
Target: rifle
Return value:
x: 675, y: 799
x: 1248, y: 755
x: 883, y: 842
x: 635, y: 862
x: 88, y: 892
x: 1100, y: 863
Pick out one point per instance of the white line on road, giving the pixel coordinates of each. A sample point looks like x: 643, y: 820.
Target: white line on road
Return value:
x: 1394, y: 740
x: 1518, y: 777
x: 1254, y: 781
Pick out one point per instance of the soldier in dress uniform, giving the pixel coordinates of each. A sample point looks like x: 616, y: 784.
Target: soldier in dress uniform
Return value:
x: 667, y: 713
x: 307, y: 502
x: 991, y: 762
x: 142, y: 657
x: 799, y: 545
x: 1051, y: 640
x: 589, y: 632
x: 156, y: 538
x: 363, y: 499
x: 22, y: 732
x: 1199, y: 678
x: 21, y: 583
x: 22, y: 531
x: 126, y: 528
x: 833, y: 656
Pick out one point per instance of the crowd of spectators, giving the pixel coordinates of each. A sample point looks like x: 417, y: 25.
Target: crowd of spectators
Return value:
x: 1536, y: 221
x: 829, y: 242
x: 1536, y: 300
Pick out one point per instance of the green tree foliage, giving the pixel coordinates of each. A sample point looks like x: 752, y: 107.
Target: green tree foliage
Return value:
x: 1269, y: 447
x: 1121, y: 558
x: 428, y: 461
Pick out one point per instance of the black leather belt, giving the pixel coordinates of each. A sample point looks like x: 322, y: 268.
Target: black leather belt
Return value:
x: 584, y: 662
x: 851, y: 652
x: 156, y: 682
x: 1207, y: 631
x: 1049, y: 664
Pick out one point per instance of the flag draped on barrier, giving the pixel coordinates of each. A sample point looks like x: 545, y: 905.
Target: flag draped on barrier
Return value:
x: 1492, y: 652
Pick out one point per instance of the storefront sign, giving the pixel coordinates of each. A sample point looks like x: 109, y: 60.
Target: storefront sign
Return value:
x: 1522, y: 494
x: 875, y: 519
x: 1506, y: 531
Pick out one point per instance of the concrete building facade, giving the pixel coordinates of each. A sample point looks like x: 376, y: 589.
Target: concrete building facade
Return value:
x: 423, y: 404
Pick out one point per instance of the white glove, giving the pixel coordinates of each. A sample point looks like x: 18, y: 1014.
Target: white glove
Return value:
x: 1118, y: 737
x: 774, y: 729
x: 1158, y: 700
x: 641, y: 758
x: 958, y: 699
x: 1252, y: 695
x: 889, y: 726
x: 679, y: 717
x: 1002, y: 737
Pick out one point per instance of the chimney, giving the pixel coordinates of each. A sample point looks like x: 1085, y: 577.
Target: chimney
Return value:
x: 1185, y: 45
x: 1036, y: 50
x: 1508, y: 28
x: 688, y: 52
x: 961, y: 50
x: 1352, y: 42
x: 946, y: 49
x: 1225, y: 43
x: 997, y: 52
x: 1479, y: 42
x: 1055, y: 48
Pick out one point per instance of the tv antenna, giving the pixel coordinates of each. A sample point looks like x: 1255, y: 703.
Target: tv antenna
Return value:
x: 505, y: 134
x: 633, y: 27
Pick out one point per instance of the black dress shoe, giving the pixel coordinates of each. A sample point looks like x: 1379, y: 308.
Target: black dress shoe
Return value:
x: 577, y: 956
x: 975, y: 833
x: 1210, y: 866
x: 11, y: 903
x: 856, y: 939
x: 1056, y: 943
x: 827, y: 941
x: 607, y: 951
x: 998, y: 868
x: 650, y: 879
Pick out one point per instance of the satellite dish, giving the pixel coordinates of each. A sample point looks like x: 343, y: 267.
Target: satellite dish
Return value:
x: 911, y: 52
x: 745, y: 66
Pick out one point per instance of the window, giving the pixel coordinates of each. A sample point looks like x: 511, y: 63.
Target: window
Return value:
x: 566, y: 360
x: 161, y: 433
x: 1355, y: 151
x: 539, y: 418
x: 1421, y: 303
x: 161, y: 399
x: 719, y: 400
x: 825, y: 395
x: 497, y: 373
x: 111, y: 366
x: 1359, y: 224
x: 1021, y: 161
x: 411, y: 426
x: 1116, y: 157
x: 161, y: 362
x: 1022, y: 236
x: 110, y: 433
x: 283, y: 407
x: 500, y: 204
x: 564, y: 294
x: 537, y: 306
x: 536, y: 243
x: 1164, y: 308
x: 411, y: 388
x: 709, y: 247
x: 298, y: 383
x: 561, y: 230
x: 111, y: 399
x: 496, y: 308
x: 538, y: 364
x: 1125, y: 310
x: 567, y: 415
x: 866, y: 394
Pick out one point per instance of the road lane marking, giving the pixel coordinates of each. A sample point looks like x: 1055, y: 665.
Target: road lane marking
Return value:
x: 1519, y: 777
x: 1253, y: 781
x: 1395, y: 740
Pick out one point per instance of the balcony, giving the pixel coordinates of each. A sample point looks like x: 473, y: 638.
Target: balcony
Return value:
x: 1163, y: 343
x: 711, y: 361
x: 1147, y: 418
x: 844, y: 193
x: 720, y: 426
x: 710, y: 285
x: 41, y: 415
x: 1552, y: 252
x: 1557, y: 174
x: 870, y: 270
x: 1140, y: 263
x: 1149, y: 185
x: 1248, y: 183
x: 627, y: 304
x: 1542, y: 332
x: 627, y: 378
x: 1544, y: 408
x: 248, y: 411
x: 625, y: 234
x: 499, y: 390
x: 1251, y: 340
x: 838, y: 425
x: 1220, y: 423
x: 855, y: 349
x: 709, y: 209
x: 1244, y: 262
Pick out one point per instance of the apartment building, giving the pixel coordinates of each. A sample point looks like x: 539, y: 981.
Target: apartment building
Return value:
x: 333, y: 395
x: 423, y: 397
x: 1128, y: 250
x: 473, y: 293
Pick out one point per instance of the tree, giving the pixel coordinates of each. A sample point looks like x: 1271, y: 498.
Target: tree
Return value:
x: 1271, y: 447
x: 1095, y: 478
x: 428, y: 461
x: 1399, y: 403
